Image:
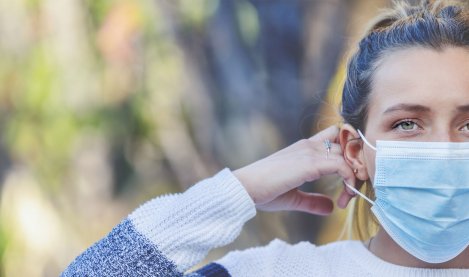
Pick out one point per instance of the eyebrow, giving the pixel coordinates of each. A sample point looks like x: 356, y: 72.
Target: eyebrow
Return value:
x: 420, y: 108
x: 411, y: 108
x: 463, y: 108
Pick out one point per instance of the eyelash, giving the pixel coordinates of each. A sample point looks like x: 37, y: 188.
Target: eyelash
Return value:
x: 407, y: 120
x: 465, y: 124
x: 397, y: 124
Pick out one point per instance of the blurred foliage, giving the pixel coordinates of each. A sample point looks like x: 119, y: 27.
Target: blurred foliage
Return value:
x: 106, y: 104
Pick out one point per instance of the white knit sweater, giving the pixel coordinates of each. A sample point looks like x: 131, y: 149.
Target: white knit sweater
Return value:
x: 169, y: 234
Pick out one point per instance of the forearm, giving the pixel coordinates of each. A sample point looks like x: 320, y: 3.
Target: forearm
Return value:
x: 169, y: 234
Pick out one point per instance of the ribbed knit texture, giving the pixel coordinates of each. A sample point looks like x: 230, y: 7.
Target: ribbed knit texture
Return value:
x: 343, y: 258
x: 169, y: 234
x: 186, y: 226
x: 123, y: 252
x: 278, y: 258
x: 212, y: 270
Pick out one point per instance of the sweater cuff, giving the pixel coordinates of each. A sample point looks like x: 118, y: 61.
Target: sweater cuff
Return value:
x: 186, y: 226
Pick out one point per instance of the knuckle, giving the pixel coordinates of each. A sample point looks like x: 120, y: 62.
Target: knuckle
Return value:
x: 296, y: 201
x: 304, y: 143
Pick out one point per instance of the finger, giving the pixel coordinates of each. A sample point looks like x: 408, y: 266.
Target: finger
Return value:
x: 335, y: 149
x: 321, y: 146
x: 309, y: 147
x: 330, y: 133
x: 296, y: 200
x: 344, y: 199
x: 346, y: 195
x: 335, y: 164
x: 313, y: 203
x: 312, y: 149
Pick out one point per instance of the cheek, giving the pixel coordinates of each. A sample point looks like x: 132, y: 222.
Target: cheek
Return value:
x: 370, y: 163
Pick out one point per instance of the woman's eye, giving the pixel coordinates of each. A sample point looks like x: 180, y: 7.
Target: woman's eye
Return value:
x: 465, y: 128
x: 406, y: 125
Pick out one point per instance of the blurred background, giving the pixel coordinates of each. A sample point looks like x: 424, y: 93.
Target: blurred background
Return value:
x: 105, y: 104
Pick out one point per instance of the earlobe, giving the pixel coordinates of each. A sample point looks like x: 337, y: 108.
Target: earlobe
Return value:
x: 352, y: 148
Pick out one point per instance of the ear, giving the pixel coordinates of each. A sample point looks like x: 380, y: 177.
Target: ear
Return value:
x: 352, y: 149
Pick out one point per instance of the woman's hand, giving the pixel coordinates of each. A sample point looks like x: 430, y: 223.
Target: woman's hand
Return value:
x: 273, y: 181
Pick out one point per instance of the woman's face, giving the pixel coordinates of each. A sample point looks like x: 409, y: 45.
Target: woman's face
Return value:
x: 419, y: 95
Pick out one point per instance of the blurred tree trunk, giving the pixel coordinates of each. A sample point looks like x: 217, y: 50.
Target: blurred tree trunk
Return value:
x: 279, y: 80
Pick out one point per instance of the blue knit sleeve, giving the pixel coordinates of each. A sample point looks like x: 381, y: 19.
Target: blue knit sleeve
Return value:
x: 211, y: 270
x: 124, y: 252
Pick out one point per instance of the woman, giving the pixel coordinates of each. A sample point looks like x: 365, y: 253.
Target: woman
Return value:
x: 406, y: 110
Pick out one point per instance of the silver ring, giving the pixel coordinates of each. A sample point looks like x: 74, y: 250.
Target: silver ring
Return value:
x: 328, y: 145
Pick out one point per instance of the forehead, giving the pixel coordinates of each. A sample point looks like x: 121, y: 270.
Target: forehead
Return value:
x: 421, y: 76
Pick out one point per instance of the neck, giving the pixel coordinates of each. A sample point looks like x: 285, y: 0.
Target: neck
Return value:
x: 384, y: 247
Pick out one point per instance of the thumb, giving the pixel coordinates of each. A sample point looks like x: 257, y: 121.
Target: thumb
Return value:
x: 297, y: 200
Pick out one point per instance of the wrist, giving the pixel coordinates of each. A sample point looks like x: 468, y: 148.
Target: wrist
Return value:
x: 244, y: 181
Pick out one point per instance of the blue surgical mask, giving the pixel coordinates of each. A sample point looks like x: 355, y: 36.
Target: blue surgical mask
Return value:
x: 422, y: 196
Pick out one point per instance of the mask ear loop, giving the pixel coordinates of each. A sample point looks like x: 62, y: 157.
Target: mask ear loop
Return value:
x: 359, y: 193
x: 351, y: 187
x: 365, y: 140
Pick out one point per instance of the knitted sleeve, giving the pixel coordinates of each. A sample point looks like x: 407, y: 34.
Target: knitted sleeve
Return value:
x: 169, y: 234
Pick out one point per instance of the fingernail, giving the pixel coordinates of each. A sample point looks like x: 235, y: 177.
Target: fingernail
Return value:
x: 342, y: 202
x: 349, y: 190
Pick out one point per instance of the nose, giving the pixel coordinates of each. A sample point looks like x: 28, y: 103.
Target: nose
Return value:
x: 445, y: 136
